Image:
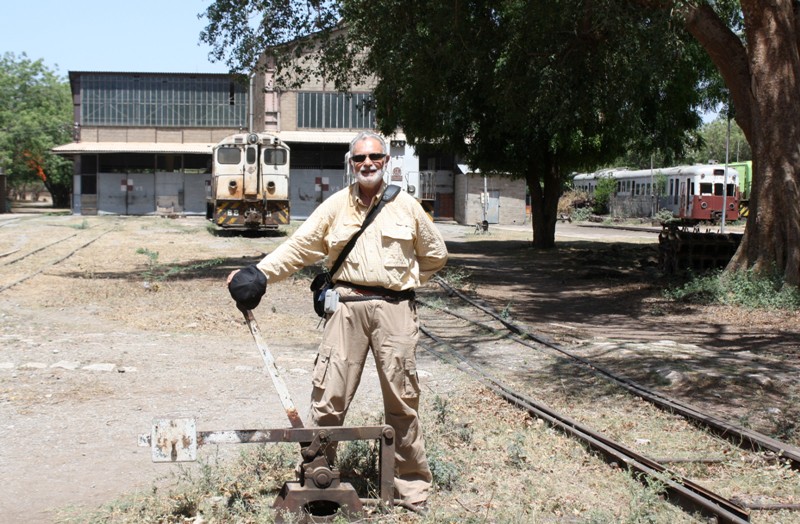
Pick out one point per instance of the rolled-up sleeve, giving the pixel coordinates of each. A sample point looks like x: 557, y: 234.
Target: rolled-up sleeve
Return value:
x: 430, y: 248
x: 304, y: 248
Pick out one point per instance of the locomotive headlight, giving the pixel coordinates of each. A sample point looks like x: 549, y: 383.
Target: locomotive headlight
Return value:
x: 232, y: 186
x: 271, y: 187
x: 412, y: 190
x: 252, y: 138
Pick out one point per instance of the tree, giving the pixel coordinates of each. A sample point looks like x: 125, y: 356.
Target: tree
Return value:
x: 755, y: 45
x: 713, y: 136
x: 448, y: 55
x: 35, y: 116
x: 523, y: 88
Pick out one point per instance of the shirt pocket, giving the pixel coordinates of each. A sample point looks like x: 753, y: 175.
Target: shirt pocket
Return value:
x: 339, y: 237
x: 398, y: 245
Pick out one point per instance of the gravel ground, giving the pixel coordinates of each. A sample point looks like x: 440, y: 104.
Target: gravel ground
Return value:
x: 107, y: 322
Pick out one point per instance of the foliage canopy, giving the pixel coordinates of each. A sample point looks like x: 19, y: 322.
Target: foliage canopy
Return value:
x: 531, y: 89
x: 35, y: 116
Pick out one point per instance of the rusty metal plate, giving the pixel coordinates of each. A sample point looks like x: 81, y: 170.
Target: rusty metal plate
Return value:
x: 174, y: 440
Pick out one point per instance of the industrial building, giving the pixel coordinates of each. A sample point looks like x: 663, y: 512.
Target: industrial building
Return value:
x: 143, y: 141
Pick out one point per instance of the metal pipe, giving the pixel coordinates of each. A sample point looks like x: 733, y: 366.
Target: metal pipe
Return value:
x: 269, y: 364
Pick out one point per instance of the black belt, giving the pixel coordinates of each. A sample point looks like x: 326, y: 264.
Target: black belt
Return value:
x: 375, y: 293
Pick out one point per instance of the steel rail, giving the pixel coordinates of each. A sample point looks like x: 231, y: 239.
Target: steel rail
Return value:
x: 682, y: 492
x: 741, y: 437
x: 26, y: 255
x: 53, y: 263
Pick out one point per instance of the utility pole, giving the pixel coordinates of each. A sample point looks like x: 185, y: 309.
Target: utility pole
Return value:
x: 725, y: 176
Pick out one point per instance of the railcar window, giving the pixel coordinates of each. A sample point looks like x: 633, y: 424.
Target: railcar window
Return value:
x: 251, y: 155
x: 718, y: 189
x: 706, y: 188
x: 275, y: 157
x: 731, y: 190
x: 229, y: 155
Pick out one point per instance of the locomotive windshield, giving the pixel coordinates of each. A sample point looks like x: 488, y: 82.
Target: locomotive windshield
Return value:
x: 275, y: 157
x: 229, y: 155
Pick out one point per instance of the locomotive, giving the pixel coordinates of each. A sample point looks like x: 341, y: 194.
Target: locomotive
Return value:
x: 249, y: 183
x: 694, y: 194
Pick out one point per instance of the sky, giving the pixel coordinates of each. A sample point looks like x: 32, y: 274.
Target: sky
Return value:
x: 153, y: 36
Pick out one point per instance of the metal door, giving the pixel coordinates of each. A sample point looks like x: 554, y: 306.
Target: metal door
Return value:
x: 140, y: 194
x: 493, y: 207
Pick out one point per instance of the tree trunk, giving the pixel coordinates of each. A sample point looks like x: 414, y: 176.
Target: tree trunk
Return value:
x: 544, y: 184
x: 61, y: 197
x: 764, y: 82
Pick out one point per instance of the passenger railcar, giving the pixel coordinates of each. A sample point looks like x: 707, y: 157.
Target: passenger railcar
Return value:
x: 694, y: 194
x: 249, y: 183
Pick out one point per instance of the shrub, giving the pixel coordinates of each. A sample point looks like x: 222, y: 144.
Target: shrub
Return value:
x: 741, y: 288
x: 581, y: 214
x: 605, y: 189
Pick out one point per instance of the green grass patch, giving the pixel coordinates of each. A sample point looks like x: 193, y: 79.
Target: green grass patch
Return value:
x: 741, y: 288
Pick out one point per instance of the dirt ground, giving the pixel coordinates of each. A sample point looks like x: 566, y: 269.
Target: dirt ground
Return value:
x: 108, y: 322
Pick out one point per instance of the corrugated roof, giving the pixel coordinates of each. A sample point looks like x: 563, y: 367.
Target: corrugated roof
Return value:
x: 75, y: 148
x: 325, y: 137
x: 322, y: 137
x: 319, y: 137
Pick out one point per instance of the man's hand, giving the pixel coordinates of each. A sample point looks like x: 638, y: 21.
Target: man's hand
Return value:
x: 247, y: 286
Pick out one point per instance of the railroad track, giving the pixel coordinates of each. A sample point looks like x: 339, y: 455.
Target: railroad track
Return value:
x: 32, y: 256
x: 534, y: 367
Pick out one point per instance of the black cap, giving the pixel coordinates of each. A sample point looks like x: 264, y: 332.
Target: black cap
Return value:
x: 247, y: 287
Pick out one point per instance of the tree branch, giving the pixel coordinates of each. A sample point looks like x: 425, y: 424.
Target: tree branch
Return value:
x: 729, y: 55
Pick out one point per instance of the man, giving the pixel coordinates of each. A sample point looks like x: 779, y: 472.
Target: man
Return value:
x: 399, y: 251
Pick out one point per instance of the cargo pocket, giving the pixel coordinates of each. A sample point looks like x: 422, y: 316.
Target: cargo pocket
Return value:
x: 410, y: 379
x: 321, y: 367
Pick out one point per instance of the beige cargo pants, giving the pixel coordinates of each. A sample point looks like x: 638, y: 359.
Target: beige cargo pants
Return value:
x: 391, y: 331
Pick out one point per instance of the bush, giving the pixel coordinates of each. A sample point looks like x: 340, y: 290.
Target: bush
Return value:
x: 573, y: 200
x: 605, y: 189
x: 664, y: 216
x: 740, y: 288
x: 581, y: 214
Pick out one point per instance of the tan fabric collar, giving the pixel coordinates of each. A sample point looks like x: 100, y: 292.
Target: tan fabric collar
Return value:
x: 355, y: 197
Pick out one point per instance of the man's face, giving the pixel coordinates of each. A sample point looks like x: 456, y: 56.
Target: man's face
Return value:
x: 368, y: 161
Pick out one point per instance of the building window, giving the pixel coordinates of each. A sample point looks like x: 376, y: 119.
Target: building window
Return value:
x: 335, y: 110
x: 162, y: 100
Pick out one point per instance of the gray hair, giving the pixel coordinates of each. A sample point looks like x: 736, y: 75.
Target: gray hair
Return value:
x: 366, y: 135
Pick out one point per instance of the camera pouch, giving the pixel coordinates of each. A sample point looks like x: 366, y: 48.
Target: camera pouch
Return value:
x: 319, y: 286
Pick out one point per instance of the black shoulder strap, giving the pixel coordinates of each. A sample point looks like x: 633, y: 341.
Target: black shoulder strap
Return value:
x: 389, y: 193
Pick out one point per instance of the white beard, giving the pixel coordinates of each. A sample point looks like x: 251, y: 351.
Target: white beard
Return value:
x: 369, y: 177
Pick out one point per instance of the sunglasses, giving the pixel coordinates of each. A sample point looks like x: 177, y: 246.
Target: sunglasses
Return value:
x: 372, y: 156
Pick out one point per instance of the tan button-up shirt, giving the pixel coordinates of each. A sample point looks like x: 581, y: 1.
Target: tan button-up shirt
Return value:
x: 400, y: 250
